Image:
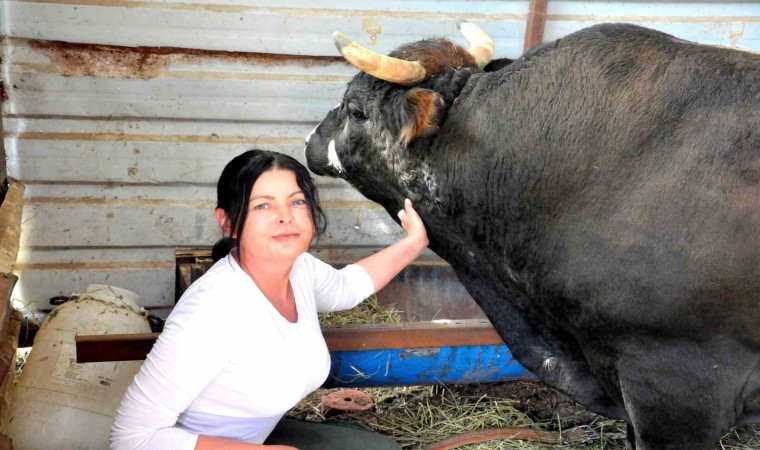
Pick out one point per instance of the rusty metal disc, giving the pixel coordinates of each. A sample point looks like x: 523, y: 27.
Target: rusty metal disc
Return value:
x: 346, y: 400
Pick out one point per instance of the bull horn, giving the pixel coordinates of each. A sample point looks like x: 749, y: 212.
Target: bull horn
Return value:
x: 481, y: 45
x: 386, y: 68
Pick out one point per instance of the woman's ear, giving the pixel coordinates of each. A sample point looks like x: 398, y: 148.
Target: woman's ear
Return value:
x: 221, y: 219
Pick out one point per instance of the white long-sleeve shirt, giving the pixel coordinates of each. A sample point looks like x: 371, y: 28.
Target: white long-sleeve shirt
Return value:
x: 228, y: 364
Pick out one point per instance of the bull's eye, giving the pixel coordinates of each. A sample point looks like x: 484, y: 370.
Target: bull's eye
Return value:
x: 356, y: 113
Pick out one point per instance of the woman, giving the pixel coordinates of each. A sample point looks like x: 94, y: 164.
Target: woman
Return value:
x: 243, y: 345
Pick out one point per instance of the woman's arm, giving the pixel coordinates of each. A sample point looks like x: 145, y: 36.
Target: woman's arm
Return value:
x: 336, y: 290
x: 387, y: 263
x: 183, y: 362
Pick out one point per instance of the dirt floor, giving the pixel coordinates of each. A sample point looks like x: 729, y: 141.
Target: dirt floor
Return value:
x: 417, y: 417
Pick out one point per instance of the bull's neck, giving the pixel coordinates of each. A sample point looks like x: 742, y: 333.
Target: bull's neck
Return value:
x: 388, y: 176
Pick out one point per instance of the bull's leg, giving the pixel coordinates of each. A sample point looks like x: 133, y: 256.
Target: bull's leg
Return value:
x: 544, y: 349
x: 679, y: 394
x: 630, y: 438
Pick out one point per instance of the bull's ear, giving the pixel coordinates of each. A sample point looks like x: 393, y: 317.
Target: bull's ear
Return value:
x: 422, y: 113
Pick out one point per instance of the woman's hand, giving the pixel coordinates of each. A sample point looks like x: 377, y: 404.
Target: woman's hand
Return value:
x: 385, y: 264
x: 412, y: 224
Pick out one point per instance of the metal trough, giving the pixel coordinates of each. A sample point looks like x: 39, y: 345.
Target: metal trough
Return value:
x: 418, y: 353
x: 460, y: 347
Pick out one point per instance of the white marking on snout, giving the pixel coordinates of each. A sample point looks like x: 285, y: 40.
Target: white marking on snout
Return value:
x: 332, y: 157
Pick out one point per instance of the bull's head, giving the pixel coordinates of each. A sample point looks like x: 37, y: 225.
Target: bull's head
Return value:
x: 393, y: 106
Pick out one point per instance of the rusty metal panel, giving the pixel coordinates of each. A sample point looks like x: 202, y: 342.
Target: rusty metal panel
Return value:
x: 119, y: 115
x: 303, y: 28
x: 75, y: 80
x: 277, y: 27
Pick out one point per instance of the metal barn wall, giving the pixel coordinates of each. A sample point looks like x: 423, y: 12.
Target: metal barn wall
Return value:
x: 119, y: 115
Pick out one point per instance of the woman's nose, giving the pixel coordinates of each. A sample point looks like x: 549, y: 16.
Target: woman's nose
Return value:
x: 285, y: 216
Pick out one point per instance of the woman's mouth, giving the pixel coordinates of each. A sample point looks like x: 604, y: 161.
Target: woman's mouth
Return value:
x: 286, y: 236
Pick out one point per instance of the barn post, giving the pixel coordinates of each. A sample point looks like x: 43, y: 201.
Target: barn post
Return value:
x: 534, y: 30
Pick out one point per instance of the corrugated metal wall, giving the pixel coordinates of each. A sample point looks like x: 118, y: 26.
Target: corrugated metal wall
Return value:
x: 120, y: 114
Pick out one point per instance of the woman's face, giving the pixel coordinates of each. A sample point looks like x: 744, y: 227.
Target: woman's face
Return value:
x: 279, y: 224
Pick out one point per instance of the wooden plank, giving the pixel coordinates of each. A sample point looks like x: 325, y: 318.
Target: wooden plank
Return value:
x: 7, y: 282
x: 128, y: 347
x: 5, y: 443
x: 10, y: 224
x: 8, y: 348
x: 7, y: 376
x: 114, y: 347
x: 412, y: 335
x: 9, y: 331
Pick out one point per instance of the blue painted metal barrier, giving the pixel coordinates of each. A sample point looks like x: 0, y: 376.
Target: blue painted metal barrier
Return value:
x: 420, y: 366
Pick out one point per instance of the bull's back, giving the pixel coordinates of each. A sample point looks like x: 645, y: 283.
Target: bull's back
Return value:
x: 640, y: 156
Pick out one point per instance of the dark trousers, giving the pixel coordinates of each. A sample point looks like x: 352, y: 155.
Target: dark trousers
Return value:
x: 328, y: 436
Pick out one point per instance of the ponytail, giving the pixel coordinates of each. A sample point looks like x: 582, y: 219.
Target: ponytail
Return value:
x: 222, y: 248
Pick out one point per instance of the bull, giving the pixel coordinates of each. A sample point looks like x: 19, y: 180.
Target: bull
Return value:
x: 599, y: 198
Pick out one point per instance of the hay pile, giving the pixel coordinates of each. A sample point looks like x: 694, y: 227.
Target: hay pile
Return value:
x: 417, y: 416
x: 741, y: 438
x: 369, y: 311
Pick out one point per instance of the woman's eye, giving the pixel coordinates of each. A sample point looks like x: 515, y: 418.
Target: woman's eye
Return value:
x: 299, y: 202
x: 261, y: 206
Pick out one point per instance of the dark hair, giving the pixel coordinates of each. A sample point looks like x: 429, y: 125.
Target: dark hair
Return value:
x: 233, y: 193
